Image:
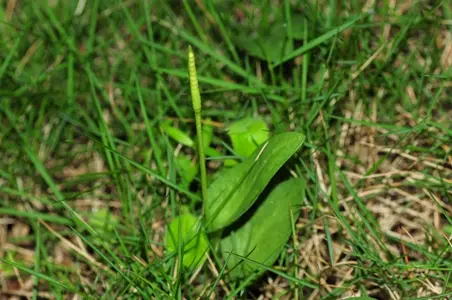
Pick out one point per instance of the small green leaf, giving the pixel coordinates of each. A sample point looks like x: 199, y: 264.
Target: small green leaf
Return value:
x: 247, y: 134
x: 7, y: 269
x: 177, y: 134
x: 103, y: 219
x: 234, y: 190
x: 187, y: 168
x: 211, y: 152
x: 230, y: 162
x: 207, y: 135
x: 448, y: 229
x: 186, y: 232
x: 265, y: 233
x: 268, y: 47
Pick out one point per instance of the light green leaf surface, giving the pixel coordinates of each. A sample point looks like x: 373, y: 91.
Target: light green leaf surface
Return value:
x: 234, y: 190
x: 185, y: 231
x: 247, y: 134
x: 187, y: 168
x: 207, y: 135
x: 264, y: 235
x: 448, y: 229
x: 177, y: 134
x: 8, y: 269
x: 103, y: 219
x: 211, y: 152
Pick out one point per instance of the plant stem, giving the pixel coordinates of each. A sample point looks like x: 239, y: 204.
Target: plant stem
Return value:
x: 196, y: 100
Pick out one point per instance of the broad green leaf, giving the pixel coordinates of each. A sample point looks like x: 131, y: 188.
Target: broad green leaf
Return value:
x: 177, y: 134
x: 265, y: 233
x: 233, y: 192
x: 247, y: 134
x: 187, y: 168
x: 186, y: 232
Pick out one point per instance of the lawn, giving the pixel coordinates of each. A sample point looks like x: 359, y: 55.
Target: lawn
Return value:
x: 326, y: 132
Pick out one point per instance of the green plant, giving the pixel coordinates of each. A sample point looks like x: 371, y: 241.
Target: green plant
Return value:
x: 190, y: 238
x: 187, y: 167
x: 248, y: 225
x: 86, y: 85
x: 246, y: 136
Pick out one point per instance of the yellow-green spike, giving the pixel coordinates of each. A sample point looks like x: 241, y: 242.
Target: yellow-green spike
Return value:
x: 196, y: 100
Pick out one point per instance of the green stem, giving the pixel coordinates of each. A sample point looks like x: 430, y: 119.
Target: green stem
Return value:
x: 196, y: 100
